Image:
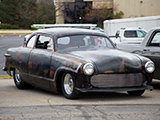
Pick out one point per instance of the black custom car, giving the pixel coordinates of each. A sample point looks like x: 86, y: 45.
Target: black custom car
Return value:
x: 71, y: 61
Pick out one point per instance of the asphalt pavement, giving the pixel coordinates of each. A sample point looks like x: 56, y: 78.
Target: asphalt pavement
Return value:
x: 38, y: 104
x: 8, y: 42
x: 8, y: 39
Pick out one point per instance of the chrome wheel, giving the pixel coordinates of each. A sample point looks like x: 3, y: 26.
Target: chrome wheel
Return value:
x: 19, y: 82
x: 68, y: 84
x: 17, y: 76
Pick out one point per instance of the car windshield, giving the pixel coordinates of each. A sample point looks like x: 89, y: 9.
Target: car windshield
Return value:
x: 83, y: 40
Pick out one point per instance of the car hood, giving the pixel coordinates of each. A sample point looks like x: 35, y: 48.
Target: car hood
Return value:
x: 109, y: 60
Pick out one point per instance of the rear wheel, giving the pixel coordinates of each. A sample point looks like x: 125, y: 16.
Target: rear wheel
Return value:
x: 20, y: 84
x: 68, y: 86
x: 136, y: 93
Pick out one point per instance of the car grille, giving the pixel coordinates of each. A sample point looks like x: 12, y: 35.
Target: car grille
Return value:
x: 117, y: 80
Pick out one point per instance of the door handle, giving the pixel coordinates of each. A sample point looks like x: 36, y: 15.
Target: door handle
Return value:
x: 145, y: 49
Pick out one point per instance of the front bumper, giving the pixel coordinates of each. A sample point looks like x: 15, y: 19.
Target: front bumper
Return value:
x: 114, y: 89
x: 7, y: 70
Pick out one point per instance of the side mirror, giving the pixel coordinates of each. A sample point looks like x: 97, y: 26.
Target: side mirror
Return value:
x: 117, y: 35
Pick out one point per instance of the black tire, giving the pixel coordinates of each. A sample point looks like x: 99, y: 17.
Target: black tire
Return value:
x: 68, y: 86
x: 20, y: 84
x: 136, y: 93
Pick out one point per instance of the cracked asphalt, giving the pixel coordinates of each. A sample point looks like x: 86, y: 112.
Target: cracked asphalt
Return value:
x: 82, y: 112
x: 38, y: 104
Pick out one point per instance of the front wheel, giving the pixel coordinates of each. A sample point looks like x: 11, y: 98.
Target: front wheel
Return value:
x: 136, y: 93
x: 68, y: 86
x: 20, y: 84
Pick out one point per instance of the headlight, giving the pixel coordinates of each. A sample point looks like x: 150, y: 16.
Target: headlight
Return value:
x: 149, y: 66
x: 88, y: 68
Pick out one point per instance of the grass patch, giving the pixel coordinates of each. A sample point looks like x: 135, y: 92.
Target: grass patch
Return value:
x: 6, y: 77
x: 15, y: 33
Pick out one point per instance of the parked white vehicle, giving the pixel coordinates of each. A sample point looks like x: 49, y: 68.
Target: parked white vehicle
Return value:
x: 133, y: 35
x: 111, y: 26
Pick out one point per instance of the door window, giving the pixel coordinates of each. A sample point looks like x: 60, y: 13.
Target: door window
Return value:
x: 141, y: 34
x: 31, y: 42
x: 44, y: 42
x: 156, y: 40
x: 130, y: 34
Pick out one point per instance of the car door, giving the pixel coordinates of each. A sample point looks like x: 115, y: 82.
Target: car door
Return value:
x: 152, y: 51
x: 39, y: 61
x: 23, y: 56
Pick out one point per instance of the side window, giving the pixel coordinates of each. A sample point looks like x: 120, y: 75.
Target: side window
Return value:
x: 156, y: 40
x: 44, y: 42
x: 130, y: 34
x: 141, y: 34
x: 50, y: 45
x: 63, y: 41
x: 31, y: 42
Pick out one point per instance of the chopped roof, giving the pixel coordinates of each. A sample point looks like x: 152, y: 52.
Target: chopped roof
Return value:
x: 69, y: 31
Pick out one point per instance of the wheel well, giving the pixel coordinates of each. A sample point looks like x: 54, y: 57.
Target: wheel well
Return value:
x: 11, y: 71
x: 58, y: 81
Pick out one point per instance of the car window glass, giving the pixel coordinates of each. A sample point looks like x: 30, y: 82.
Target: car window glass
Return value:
x: 83, y: 40
x: 100, y: 41
x: 31, y: 42
x: 63, y: 40
x: 130, y: 34
x: 50, y: 44
x: 156, y: 40
x: 141, y: 34
x: 44, y: 42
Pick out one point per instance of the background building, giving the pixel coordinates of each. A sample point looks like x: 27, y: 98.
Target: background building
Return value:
x: 137, y: 8
x: 72, y: 11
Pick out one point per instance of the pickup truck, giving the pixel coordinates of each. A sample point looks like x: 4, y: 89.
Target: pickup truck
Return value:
x: 129, y: 35
x: 150, y: 47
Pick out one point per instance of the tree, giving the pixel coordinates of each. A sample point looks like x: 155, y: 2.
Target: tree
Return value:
x: 27, y: 13
x: 99, y: 15
x: 9, y: 10
x: 46, y: 11
x: 24, y: 13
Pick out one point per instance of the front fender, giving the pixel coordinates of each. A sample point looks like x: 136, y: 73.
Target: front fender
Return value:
x: 66, y: 69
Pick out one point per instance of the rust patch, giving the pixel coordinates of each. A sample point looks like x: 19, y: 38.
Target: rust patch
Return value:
x: 139, y: 64
x: 122, y: 67
x: 45, y: 71
x: 108, y: 72
x: 60, y: 35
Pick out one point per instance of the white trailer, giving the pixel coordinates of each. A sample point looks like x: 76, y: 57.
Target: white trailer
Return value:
x: 111, y: 26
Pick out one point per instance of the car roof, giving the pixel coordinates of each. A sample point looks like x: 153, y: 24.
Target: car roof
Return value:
x: 132, y: 28
x: 59, y: 32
